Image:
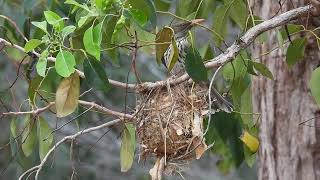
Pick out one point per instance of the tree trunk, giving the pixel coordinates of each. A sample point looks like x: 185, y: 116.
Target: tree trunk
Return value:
x: 288, y: 151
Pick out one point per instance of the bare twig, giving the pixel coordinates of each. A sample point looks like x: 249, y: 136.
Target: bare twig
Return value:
x: 134, y: 57
x: 35, y: 112
x: 106, y: 110
x: 85, y: 103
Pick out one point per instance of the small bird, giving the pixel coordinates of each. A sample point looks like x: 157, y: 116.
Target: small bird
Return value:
x: 181, y: 38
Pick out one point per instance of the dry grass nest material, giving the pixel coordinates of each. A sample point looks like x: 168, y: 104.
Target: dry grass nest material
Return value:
x: 169, y: 123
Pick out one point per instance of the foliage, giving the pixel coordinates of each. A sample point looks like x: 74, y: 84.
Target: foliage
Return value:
x: 91, y: 35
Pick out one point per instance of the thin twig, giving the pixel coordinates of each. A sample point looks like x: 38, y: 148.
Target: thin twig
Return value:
x: 35, y: 112
x: 71, y: 137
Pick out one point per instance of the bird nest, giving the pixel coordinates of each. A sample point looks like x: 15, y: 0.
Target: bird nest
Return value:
x: 169, y: 122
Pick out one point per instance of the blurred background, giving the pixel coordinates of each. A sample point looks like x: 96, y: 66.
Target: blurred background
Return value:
x: 96, y: 155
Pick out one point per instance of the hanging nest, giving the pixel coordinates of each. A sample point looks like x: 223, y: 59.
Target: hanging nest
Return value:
x: 169, y: 122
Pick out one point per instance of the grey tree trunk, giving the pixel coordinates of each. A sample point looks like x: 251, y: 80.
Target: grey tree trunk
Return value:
x: 288, y: 151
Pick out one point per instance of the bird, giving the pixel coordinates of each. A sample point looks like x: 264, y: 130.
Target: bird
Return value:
x: 181, y: 32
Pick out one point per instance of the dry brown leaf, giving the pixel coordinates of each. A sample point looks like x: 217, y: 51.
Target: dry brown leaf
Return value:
x: 67, y: 95
x: 201, y: 147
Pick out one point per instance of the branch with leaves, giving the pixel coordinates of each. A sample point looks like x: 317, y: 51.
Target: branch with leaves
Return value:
x: 230, y: 53
x: 56, y: 51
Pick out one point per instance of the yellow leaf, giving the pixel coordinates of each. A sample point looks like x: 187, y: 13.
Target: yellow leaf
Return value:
x: 163, y: 40
x: 250, y: 141
x: 67, y: 95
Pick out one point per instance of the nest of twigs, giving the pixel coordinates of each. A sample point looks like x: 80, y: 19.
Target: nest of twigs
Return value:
x: 169, y: 122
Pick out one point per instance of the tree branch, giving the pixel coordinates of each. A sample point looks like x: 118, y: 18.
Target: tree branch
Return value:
x: 85, y: 103
x: 70, y: 137
x: 220, y: 60
x: 238, y: 45
x: 106, y: 110
x: 36, y: 112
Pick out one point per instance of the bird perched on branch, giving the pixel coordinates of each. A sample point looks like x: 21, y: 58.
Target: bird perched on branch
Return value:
x: 181, y: 32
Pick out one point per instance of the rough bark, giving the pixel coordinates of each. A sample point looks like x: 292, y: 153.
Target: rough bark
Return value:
x: 288, y: 151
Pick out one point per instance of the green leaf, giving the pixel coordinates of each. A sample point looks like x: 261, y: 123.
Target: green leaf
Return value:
x: 13, y: 127
x: 250, y: 157
x: 237, y: 77
x: 82, y: 20
x: 29, y: 136
x: 292, y: 28
x: 236, y: 145
x: 54, y: 19
x: 45, y: 137
x: 163, y: 40
x: 314, y: 85
x: 67, y: 95
x: 73, y: 2
x: 94, y: 69
x: 250, y: 69
x: 33, y: 88
x: 120, y: 24
x: 262, y: 69
x: 220, y: 24
x: 173, y: 56
x: 104, y: 4
x: 162, y: 5
x: 246, y: 107
x: 42, y: 63
x: 194, y: 65
x: 209, y: 54
x: 127, y: 147
x: 67, y: 30
x: 92, y: 40
x: 15, y: 146
x: 224, y: 166
x: 206, y: 52
x: 139, y: 16
x: 41, y: 25
x: 99, y: 3
x: 224, y: 131
x: 107, y: 39
x: 65, y: 63
x: 147, y: 7
x: 42, y: 66
x: 31, y: 45
x: 186, y: 7
x: 238, y: 12
x: 280, y: 39
x: 295, y: 51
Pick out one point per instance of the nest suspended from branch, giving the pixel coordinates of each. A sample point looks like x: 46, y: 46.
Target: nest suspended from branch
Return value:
x: 169, y: 123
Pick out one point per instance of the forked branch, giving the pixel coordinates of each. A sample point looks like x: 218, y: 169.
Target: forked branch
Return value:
x: 220, y: 60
